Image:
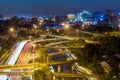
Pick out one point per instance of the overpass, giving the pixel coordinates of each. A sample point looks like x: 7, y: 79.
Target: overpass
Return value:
x: 35, y: 66
x: 70, y: 75
x: 56, y: 74
x: 59, y: 52
x: 17, y: 73
x: 22, y: 66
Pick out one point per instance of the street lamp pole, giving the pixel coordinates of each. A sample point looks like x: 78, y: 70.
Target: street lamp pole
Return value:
x: 67, y: 28
x: 34, y: 66
x: 77, y: 32
x: 33, y: 51
x: 11, y: 30
x: 83, y: 27
x: 35, y: 30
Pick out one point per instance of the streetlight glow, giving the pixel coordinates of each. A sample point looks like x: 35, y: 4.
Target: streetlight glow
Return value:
x: 41, y: 21
x: 11, y: 29
x: 63, y: 24
x: 66, y: 26
x: 34, y: 26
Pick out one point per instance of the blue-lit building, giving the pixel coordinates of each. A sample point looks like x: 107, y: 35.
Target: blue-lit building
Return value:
x: 98, y: 18
x: 84, y: 16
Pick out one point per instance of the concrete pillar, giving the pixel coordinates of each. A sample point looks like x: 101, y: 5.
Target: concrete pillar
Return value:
x: 72, y: 68
x: 59, y: 68
x: 47, y: 59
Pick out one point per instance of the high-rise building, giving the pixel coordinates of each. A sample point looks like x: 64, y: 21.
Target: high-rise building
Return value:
x: 119, y: 22
x: 111, y: 19
x: 110, y: 13
x: 60, y: 19
x: 78, y: 17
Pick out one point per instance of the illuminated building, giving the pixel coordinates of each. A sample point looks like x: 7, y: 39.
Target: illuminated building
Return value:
x: 78, y: 17
x: 110, y: 13
x: 119, y: 22
x: 60, y: 19
x: 98, y: 18
x: 111, y: 18
x: 84, y: 16
x: 71, y: 17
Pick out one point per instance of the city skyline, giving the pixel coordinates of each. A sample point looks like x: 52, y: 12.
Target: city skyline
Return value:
x: 53, y: 7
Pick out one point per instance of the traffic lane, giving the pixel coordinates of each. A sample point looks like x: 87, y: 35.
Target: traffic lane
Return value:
x: 22, y: 59
x: 26, y: 48
x: 25, y: 53
x: 14, y: 56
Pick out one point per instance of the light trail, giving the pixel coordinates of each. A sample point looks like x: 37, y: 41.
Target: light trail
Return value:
x: 14, y: 57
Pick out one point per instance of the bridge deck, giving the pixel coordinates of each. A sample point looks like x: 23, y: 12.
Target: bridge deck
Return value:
x: 6, y: 67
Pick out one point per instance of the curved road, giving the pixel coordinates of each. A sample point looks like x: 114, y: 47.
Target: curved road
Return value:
x: 12, y: 60
x: 23, y: 58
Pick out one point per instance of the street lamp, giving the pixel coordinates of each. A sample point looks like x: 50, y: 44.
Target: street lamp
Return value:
x: 30, y: 37
x: 11, y: 29
x: 66, y: 26
x: 35, y: 27
x: 83, y: 27
x: 67, y: 29
x: 10, y: 32
x: 77, y: 32
x: 63, y: 24
x: 41, y: 21
x: 33, y: 52
x: 33, y: 66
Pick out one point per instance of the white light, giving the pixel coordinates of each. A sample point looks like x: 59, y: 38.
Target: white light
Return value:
x: 63, y: 24
x: 11, y: 29
x: 118, y: 19
x: 119, y: 25
x: 67, y: 26
x: 14, y: 57
x: 34, y: 26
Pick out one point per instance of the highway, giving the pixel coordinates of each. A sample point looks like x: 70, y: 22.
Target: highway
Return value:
x: 21, y: 55
x: 25, y: 54
x: 7, y: 54
x: 13, y: 58
x: 23, y: 58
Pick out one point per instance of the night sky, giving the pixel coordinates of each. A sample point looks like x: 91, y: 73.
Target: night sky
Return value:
x: 45, y: 7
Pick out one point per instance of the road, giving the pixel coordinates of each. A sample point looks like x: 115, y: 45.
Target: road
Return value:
x: 23, y: 58
x: 21, y: 55
x: 67, y: 56
x: 60, y: 57
x: 13, y: 58
x: 25, y: 54
x: 7, y: 55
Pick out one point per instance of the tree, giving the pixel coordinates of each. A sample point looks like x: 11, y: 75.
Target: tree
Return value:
x: 42, y: 51
x: 43, y: 73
